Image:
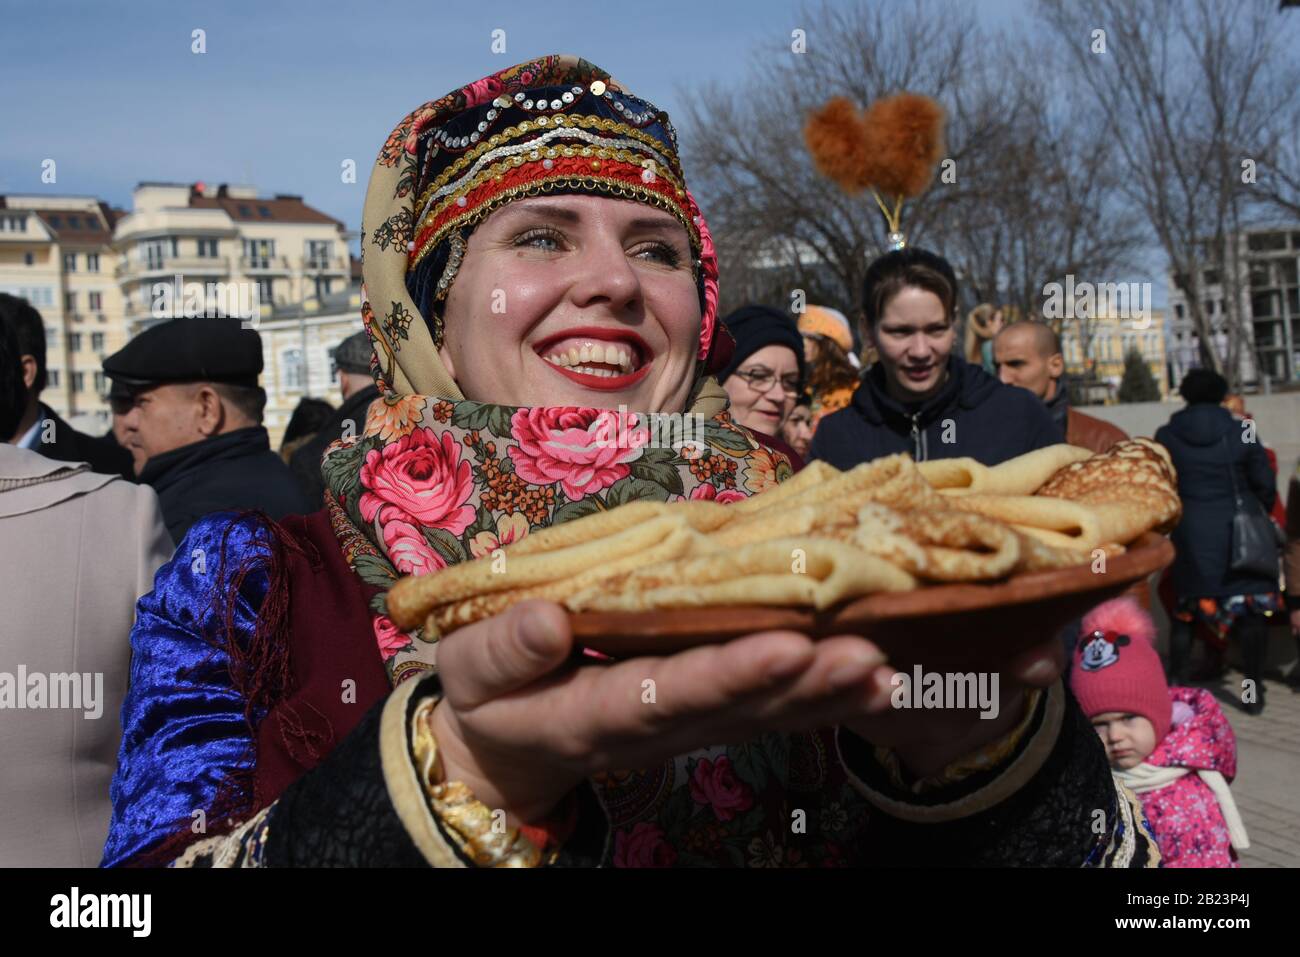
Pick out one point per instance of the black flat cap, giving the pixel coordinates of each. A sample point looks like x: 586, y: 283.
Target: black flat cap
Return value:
x: 353, y: 354
x: 189, y: 350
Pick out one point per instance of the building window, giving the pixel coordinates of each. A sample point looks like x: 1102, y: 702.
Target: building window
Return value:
x: 56, y: 222
x: 207, y: 248
x: 52, y: 377
x: 154, y: 252
x: 1266, y: 242
x: 259, y: 252
x: 78, y: 382
x: 13, y: 224
x: 70, y: 262
x: 96, y: 301
x: 100, y: 383
x: 97, y: 343
x: 92, y: 262
x: 1178, y: 310
x: 294, y: 378
x: 319, y: 253
x: 74, y: 342
x: 264, y: 212
x: 245, y: 211
x: 29, y: 259
x: 70, y: 302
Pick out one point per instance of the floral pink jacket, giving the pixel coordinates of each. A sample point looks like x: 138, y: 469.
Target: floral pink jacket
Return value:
x: 1184, y: 816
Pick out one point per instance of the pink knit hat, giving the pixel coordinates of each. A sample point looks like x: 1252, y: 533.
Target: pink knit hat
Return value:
x: 1116, y: 667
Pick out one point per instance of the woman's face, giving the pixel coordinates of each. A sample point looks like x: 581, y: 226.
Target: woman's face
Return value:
x: 798, y: 430
x: 575, y: 300
x: 914, y: 336
x: 1129, y: 738
x: 764, y: 406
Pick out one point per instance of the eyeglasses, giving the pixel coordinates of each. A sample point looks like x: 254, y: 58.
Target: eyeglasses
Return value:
x: 760, y: 379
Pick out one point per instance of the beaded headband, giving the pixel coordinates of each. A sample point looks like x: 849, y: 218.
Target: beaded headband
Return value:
x: 586, y: 138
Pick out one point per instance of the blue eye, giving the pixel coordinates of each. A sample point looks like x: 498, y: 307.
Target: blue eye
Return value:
x: 546, y: 240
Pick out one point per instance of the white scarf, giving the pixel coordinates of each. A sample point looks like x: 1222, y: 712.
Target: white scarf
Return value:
x: 1148, y: 777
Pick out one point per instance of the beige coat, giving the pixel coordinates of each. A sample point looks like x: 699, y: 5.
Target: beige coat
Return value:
x: 76, y: 551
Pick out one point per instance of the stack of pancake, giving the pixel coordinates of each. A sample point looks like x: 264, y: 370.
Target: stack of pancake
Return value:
x: 821, y: 538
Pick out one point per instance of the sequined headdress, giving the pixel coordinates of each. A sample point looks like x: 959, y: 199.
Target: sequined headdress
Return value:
x: 558, y: 124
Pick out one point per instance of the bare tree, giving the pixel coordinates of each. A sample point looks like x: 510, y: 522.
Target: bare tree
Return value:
x: 1016, y: 205
x: 1193, y: 84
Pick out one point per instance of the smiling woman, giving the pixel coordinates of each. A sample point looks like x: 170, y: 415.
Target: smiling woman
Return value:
x: 534, y: 269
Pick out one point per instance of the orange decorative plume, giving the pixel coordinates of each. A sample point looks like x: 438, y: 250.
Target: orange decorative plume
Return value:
x: 891, y: 148
x: 904, y: 140
x: 837, y: 140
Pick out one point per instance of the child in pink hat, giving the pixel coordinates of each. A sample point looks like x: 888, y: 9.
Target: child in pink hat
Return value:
x: 1172, y: 746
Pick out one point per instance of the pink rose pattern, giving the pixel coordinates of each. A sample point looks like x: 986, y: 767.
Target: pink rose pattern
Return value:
x: 391, y: 639
x: 434, y: 481
x: 585, y: 450
x: 714, y: 783
x: 422, y: 477
x: 723, y: 496
x: 643, y: 846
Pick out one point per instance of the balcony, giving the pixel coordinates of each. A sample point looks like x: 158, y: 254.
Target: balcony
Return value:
x: 265, y: 264
x: 204, y: 265
x: 325, y: 264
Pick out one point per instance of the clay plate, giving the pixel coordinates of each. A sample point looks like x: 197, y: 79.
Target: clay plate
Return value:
x: 942, y: 624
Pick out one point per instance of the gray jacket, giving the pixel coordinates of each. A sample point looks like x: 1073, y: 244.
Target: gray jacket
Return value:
x: 77, y: 548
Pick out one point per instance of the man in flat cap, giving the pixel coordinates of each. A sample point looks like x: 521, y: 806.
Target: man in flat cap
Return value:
x: 40, y: 429
x: 196, y: 421
x: 352, y: 360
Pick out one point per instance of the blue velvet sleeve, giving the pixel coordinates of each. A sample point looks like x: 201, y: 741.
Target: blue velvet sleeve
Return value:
x: 183, y: 725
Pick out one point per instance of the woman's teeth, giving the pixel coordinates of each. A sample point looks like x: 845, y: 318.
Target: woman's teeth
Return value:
x: 582, y: 359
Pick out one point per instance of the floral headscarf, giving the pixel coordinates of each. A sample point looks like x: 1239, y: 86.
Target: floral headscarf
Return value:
x: 435, y: 479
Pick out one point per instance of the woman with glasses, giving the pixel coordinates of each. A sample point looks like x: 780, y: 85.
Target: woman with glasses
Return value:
x: 766, y: 373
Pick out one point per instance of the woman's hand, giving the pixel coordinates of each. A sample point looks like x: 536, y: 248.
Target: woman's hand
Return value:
x: 522, y: 725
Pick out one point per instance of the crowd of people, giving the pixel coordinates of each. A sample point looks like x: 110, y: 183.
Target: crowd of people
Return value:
x: 227, y: 593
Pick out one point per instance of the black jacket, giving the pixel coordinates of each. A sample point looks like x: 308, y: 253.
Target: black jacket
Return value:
x: 231, y: 471
x: 104, y: 455
x: 1207, y: 445
x: 305, y: 462
x: 973, y: 415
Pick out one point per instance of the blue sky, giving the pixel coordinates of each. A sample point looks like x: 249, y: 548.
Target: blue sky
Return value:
x: 287, y: 90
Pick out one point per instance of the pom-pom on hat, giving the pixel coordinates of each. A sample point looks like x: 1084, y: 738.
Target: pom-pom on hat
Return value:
x: 1116, y: 667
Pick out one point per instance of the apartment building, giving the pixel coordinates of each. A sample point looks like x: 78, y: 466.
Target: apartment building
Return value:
x: 1097, y: 365
x: 181, y: 234
x: 297, y: 343
x: 1267, y: 267
x: 56, y: 252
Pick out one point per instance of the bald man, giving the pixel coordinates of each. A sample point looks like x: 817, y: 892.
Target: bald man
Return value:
x: 1028, y: 354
